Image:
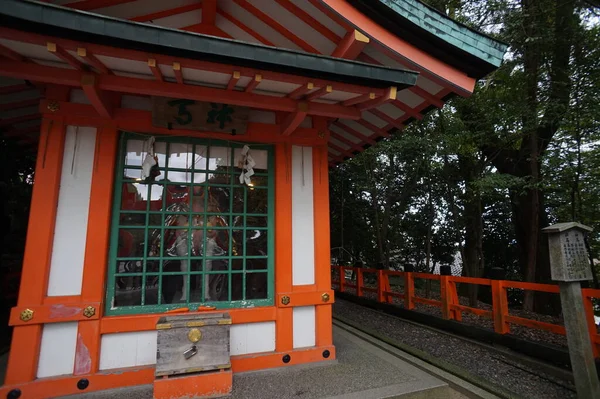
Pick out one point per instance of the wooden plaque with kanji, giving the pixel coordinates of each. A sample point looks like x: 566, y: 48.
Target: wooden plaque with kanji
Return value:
x: 176, y: 113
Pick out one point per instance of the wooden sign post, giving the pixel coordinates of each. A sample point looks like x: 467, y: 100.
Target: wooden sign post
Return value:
x: 174, y: 113
x: 569, y: 265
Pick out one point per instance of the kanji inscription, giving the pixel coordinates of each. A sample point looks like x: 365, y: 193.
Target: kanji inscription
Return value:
x: 569, y: 259
x: 176, y: 113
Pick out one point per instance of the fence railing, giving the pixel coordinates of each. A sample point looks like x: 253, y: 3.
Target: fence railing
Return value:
x: 449, y: 304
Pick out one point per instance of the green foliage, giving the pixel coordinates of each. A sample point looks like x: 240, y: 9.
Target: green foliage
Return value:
x: 474, y: 157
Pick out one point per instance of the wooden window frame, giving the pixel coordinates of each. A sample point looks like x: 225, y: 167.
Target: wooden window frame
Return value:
x: 233, y: 176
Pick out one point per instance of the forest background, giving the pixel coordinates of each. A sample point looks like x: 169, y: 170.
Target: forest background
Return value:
x: 473, y: 184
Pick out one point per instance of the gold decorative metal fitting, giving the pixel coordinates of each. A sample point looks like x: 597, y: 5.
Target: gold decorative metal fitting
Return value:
x: 53, y: 106
x: 27, y: 315
x: 321, y: 134
x: 194, y: 335
x: 89, y: 311
x: 325, y: 297
x: 285, y: 300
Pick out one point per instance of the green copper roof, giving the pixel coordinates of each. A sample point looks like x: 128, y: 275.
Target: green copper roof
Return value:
x: 464, y: 48
x: 445, y: 28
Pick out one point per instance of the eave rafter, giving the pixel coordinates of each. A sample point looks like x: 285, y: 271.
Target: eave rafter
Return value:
x: 92, y: 60
x: 209, y: 12
x: 351, y: 46
x: 130, y: 85
x: 245, y: 28
x: 155, y: 69
x: 301, y: 91
x: 323, y: 91
x: 167, y: 13
x: 245, y: 4
x: 253, y: 83
x: 65, y: 56
x: 10, y: 54
x: 233, y: 80
x: 88, y: 5
x: 177, y: 72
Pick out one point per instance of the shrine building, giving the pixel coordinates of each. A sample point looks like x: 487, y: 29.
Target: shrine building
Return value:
x: 183, y: 150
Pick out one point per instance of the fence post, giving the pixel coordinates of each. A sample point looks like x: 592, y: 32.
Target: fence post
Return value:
x: 455, y: 313
x: 409, y: 290
x: 380, y: 286
x: 500, y: 307
x: 342, y: 278
x: 359, y: 282
x: 446, y: 297
x: 589, y: 312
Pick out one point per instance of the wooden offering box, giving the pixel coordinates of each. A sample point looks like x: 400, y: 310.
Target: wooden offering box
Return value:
x: 191, y: 344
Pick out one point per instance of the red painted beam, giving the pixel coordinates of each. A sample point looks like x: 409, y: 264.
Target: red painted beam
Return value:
x: 243, y: 27
x: 65, y: 56
x: 373, y: 128
x: 276, y: 26
x: 253, y: 83
x: 331, y: 14
x: 177, y: 72
x: 413, y: 56
x: 20, y: 104
x: 340, y: 149
x: 233, y: 80
x: 309, y: 20
x: 319, y: 93
x: 385, y: 117
x: 97, y: 98
x: 300, y: 91
x: 344, y: 140
x: 207, y: 30
x: 355, y: 133
x: 131, y: 85
x: 407, y: 110
x: 390, y: 95
x: 11, y: 54
x: 155, y: 70
x: 427, y: 96
x: 167, y: 13
x: 88, y: 5
x: 293, y: 120
x: 93, y: 61
x: 359, y: 99
x: 351, y: 46
x: 194, y: 64
x: 209, y: 12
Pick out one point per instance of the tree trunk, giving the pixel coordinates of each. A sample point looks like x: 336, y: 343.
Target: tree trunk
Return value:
x: 473, y: 250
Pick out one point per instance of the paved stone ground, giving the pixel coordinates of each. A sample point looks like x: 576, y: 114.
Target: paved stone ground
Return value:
x: 362, y: 371
x: 500, y: 369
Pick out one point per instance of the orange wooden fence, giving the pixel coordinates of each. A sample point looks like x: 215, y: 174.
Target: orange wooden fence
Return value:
x: 451, y: 308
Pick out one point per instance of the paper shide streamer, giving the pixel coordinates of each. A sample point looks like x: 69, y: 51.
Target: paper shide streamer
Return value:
x: 150, y: 165
x: 246, y: 164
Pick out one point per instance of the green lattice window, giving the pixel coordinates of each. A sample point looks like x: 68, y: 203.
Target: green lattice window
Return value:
x: 194, y: 236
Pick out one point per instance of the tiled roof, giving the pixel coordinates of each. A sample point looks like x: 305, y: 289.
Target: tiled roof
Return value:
x: 445, y: 28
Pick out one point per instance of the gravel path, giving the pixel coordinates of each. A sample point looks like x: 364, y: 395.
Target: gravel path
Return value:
x: 496, y: 368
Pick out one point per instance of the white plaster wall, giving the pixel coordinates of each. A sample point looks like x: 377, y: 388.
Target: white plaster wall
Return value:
x: 303, y: 225
x: 127, y: 349
x: 57, y: 349
x: 252, y: 338
x: 70, y: 230
x: 304, y: 326
x: 133, y: 349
